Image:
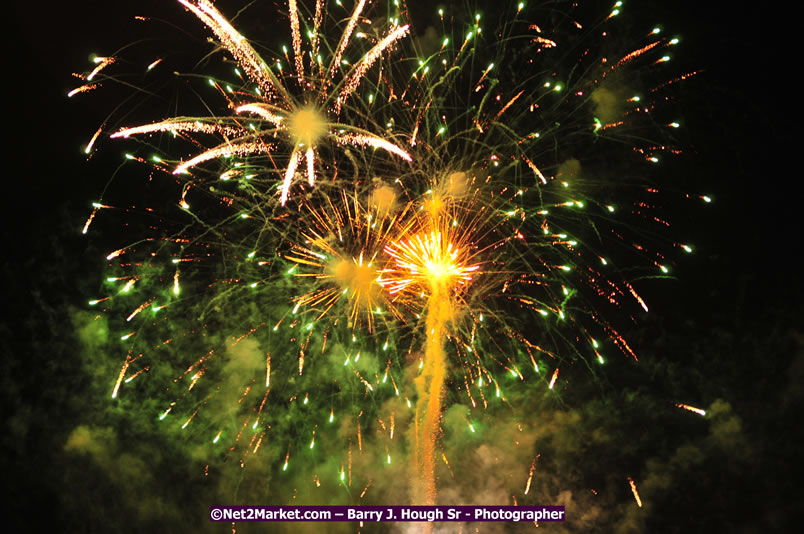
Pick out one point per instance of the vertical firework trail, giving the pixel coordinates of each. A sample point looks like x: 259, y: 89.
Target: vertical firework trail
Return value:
x: 429, y: 386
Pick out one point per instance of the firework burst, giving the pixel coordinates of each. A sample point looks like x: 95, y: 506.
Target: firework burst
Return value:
x: 344, y: 249
x: 301, y: 119
x: 484, y: 250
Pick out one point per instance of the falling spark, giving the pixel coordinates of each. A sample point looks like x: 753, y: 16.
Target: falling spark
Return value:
x: 553, y: 379
x: 102, y: 63
x: 83, y: 89
x: 634, y: 491
x: 530, y: 476
x: 691, y: 408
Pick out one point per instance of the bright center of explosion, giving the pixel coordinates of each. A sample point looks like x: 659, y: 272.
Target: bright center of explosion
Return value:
x: 439, y: 269
x: 307, y: 126
x: 440, y: 262
x: 425, y: 258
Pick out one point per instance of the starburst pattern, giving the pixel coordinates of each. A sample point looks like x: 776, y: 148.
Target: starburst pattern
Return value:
x: 305, y: 115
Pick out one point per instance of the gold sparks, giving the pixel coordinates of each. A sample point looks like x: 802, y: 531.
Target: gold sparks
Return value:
x: 691, y: 408
x: 304, y: 117
x: 635, y: 492
x: 342, y: 252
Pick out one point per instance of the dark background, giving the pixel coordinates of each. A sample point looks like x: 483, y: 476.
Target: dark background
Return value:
x: 729, y: 324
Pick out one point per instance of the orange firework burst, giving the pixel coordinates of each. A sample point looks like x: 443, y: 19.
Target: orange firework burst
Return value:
x: 344, y: 248
x: 437, y: 246
x: 431, y: 255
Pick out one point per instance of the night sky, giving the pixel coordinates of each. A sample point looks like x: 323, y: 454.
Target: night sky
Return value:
x: 724, y: 332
